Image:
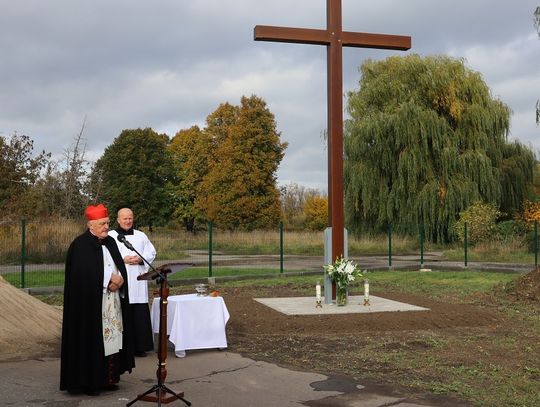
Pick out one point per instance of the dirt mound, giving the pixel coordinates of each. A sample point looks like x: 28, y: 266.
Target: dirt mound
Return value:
x: 528, y: 286
x: 28, y: 327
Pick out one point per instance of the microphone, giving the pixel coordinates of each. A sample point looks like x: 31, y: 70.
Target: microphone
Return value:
x: 122, y: 238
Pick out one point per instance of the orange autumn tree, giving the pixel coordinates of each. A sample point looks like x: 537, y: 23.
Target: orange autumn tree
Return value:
x: 240, y: 190
x: 316, y: 212
x: 530, y: 213
x: 192, y: 151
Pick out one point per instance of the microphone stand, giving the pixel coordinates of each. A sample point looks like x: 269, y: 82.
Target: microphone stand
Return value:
x: 160, y: 390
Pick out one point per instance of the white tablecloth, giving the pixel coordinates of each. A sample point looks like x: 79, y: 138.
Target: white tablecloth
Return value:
x: 193, y: 322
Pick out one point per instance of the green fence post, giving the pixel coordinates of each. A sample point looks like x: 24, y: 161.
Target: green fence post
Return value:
x: 421, y: 245
x: 465, y: 242
x: 210, y: 224
x: 535, y: 243
x: 281, y: 247
x: 390, y: 245
x: 23, y: 252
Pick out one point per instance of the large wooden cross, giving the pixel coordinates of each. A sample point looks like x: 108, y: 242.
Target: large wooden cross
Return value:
x: 334, y: 38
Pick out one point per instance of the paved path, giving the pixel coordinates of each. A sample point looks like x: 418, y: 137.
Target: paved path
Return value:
x: 207, y: 378
x: 431, y: 260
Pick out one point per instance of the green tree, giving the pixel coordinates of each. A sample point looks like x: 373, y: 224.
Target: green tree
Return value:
x: 136, y: 170
x: 192, y: 152
x: 46, y: 198
x: 19, y: 172
x: 239, y: 191
x: 537, y: 25
x: 426, y: 140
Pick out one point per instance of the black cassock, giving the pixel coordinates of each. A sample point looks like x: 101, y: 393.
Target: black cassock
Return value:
x: 84, y: 366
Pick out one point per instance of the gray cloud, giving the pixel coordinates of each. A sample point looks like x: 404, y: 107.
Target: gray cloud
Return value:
x: 167, y: 64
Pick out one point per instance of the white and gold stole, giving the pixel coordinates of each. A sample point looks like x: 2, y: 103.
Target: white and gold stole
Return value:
x: 111, y: 309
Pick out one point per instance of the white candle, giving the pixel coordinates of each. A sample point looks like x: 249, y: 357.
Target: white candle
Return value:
x: 366, y: 289
x: 318, y: 291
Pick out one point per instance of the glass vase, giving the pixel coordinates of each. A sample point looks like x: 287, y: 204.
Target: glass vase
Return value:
x: 341, y: 296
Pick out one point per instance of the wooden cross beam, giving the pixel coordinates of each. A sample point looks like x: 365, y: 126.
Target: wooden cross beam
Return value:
x: 334, y: 38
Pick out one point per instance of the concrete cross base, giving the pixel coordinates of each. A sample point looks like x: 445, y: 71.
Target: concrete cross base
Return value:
x: 355, y: 305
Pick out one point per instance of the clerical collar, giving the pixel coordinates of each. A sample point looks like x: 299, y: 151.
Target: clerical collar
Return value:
x: 121, y: 231
x: 99, y: 241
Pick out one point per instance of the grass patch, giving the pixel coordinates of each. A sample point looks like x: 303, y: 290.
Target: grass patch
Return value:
x: 512, y: 251
x: 437, y: 284
x: 202, y: 272
x: 55, y: 278
x: 434, y: 284
x: 42, y: 278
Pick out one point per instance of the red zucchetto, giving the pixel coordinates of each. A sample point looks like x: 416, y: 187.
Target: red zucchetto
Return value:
x: 96, y: 212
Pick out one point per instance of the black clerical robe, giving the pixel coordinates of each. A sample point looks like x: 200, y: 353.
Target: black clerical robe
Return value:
x: 83, y: 362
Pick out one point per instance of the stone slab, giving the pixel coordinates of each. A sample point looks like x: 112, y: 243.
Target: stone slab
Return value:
x: 355, y: 305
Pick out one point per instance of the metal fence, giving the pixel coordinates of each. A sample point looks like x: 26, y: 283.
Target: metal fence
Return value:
x: 32, y: 253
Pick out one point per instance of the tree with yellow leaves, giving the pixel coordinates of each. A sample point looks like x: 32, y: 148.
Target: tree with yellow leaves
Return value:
x: 239, y: 190
x: 192, y: 151
x: 316, y: 212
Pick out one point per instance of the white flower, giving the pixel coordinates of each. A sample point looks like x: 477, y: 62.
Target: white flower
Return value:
x: 342, y: 272
x: 349, y: 267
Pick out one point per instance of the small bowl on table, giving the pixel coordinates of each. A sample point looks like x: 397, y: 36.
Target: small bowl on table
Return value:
x: 202, y: 289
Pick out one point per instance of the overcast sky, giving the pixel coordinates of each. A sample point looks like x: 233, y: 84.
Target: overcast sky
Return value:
x: 168, y: 64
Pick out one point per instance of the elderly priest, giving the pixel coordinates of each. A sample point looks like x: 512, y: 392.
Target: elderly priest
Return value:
x: 97, y: 346
x: 143, y: 337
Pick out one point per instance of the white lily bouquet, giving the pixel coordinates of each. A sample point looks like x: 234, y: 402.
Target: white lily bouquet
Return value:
x: 342, y: 272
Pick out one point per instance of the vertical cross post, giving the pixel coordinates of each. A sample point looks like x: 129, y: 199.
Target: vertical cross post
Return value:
x: 334, y: 38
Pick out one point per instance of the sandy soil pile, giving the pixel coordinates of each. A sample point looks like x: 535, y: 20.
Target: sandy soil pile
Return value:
x: 528, y: 286
x: 28, y: 327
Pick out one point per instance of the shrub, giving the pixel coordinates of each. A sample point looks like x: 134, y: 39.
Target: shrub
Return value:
x: 509, y: 230
x: 530, y: 213
x: 481, y: 218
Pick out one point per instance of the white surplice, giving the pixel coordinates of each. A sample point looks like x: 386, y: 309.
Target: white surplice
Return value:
x: 138, y: 290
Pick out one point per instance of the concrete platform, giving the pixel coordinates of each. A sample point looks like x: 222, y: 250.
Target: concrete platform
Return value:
x: 355, y: 305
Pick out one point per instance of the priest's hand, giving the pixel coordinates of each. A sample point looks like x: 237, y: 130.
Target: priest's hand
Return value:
x: 132, y: 260
x: 115, y: 282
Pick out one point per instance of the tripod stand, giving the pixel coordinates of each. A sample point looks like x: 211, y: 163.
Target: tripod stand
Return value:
x: 159, y: 393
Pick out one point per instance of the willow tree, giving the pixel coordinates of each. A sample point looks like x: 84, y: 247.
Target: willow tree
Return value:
x: 425, y: 140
